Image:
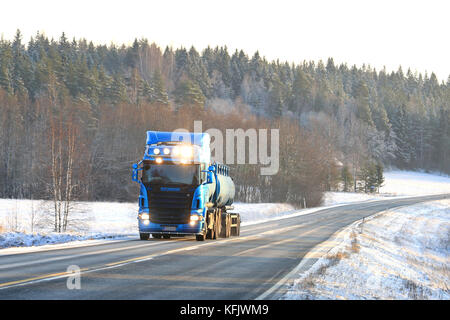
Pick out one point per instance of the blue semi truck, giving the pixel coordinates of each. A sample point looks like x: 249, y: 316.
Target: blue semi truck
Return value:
x: 181, y: 191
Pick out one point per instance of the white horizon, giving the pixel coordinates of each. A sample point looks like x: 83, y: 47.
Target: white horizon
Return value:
x: 410, y: 34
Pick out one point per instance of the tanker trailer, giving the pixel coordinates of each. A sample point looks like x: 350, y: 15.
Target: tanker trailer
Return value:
x: 181, y: 191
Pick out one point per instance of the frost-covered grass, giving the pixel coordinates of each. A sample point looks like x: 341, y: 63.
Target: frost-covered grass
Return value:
x: 398, y: 254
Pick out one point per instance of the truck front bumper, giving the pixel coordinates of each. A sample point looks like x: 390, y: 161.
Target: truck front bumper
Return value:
x: 172, y: 229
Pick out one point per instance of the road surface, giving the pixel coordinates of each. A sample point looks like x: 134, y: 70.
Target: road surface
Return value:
x: 247, y: 267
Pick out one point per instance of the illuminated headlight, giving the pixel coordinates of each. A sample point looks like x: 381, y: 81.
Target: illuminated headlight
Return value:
x: 145, y: 216
x: 158, y: 160
x: 156, y: 151
x: 186, y: 151
x: 176, y: 151
x: 195, y: 217
x: 166, y: 150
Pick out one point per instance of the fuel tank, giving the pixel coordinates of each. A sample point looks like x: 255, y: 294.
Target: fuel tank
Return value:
x: 222, y: 189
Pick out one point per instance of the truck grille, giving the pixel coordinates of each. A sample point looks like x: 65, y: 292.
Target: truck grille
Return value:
x: 171, y: 207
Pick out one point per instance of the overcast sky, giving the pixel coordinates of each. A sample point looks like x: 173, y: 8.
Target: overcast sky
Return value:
x: 380, y: 33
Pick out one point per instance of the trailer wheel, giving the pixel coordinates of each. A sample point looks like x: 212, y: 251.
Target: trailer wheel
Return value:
x: 210, y: 223
x: 144, y: 236
x: 224, y: 225
x: 236, y: 228
x: 216, y: 226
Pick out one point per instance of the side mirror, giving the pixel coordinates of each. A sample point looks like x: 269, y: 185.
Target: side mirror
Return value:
x: 135, y: 166
x: 212, y: 168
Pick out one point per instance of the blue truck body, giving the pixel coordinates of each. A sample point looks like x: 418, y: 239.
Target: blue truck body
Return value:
x: 181, y: 191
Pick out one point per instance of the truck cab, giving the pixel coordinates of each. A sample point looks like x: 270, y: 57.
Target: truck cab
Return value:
x: 181, y: 192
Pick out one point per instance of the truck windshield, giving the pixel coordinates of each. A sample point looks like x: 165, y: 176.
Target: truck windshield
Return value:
x: 167, y: 174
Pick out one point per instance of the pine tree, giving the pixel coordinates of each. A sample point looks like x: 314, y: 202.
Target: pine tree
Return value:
x: 347, y: 178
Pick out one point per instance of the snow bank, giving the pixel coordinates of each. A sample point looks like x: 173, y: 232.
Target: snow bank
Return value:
x: 333, y: 198
x: 398, y: 254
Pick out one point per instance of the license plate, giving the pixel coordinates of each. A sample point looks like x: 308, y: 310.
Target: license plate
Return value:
x: 170, y: 228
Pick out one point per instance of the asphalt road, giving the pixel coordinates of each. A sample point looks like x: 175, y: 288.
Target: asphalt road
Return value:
x: 244, y: 267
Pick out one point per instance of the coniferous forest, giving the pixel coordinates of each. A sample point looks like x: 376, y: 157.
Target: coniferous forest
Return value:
x: 73, y: 117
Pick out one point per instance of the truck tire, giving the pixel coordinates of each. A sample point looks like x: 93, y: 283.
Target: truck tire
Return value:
x: 224, y: 225
x: 200, y: 237
x: 166, y: 236
x: 144, y: 236
x: 156, y: 235
x: 238, y: 233
x: 216, y: 226
x: 236, y: 230
x: 210, y: 223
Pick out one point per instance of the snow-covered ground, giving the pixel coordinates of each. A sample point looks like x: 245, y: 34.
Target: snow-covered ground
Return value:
x: 29, y: 222
x: 397, y: 254
x: 414, y: 183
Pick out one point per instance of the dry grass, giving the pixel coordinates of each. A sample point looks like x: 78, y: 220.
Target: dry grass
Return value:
x: 336, y: 257
x: 355, y: 247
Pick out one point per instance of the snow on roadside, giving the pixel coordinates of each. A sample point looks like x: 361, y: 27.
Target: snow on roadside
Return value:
x: 333, y: 198
x: 397, y: 254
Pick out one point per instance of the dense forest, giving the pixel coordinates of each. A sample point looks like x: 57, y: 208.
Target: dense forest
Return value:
x: 73, y: 117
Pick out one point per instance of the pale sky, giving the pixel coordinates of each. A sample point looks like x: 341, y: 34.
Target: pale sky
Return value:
x: 380, y: 33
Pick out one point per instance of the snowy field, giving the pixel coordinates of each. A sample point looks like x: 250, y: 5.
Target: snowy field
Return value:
x: 403, y: 183
x: 29, y: 222
x: 398, y: 254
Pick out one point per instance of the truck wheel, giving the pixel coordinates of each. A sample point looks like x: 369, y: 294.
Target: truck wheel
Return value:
x: 200, y: 237
x: 166, y: 236
x: 156, y: 235
x: 210, y: 231
x: 238, y: 229
x: 144, y: 236
x: 224, y: 225
x: 216, y: 228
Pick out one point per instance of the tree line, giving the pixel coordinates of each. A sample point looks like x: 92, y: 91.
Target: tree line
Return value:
x: 104, y: 98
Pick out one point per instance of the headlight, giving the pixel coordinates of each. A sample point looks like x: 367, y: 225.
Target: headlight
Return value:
x: 166, y: 150
x: 195, y: 217
x: 176, y: 151
x: 156, y: 151
x: 186, y: 151
x: 158, y: 160
x: 145, y: 216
